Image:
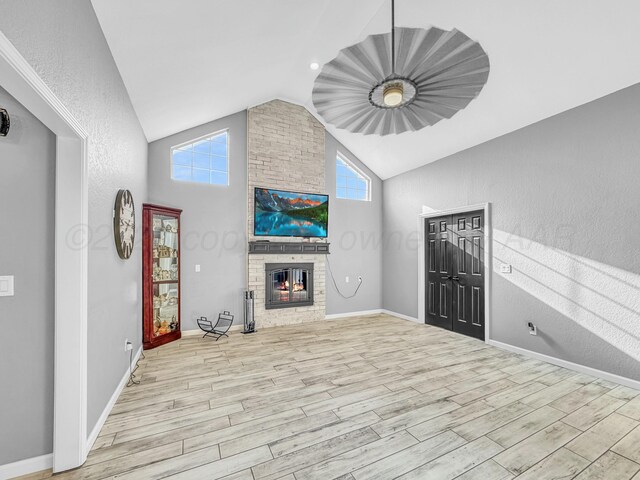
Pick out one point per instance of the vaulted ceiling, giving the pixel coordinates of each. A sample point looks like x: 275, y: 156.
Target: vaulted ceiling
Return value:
x: 189, y: 62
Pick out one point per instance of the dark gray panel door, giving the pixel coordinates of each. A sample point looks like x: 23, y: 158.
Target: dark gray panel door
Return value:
x: 438, y: 266
x: 454, y: 264
x: 468, y: 274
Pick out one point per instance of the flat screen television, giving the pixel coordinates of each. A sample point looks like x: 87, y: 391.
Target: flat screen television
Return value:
x: 279, y: 213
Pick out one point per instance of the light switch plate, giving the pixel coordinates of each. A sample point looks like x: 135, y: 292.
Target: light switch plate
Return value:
x: 6, y: 286
x: 197, y: 268
x: 505, y: 268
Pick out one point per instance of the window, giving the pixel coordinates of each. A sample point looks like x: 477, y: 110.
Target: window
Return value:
x: 205, y: 160
x: 351, y: 183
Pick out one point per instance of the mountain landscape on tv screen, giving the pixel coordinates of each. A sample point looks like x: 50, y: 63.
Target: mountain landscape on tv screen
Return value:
x: 280, y: 213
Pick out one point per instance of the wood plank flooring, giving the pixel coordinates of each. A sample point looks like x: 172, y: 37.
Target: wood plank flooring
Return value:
x: 362, y: 398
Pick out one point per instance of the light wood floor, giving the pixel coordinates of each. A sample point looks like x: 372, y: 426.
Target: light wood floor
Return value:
x: 363, y: 398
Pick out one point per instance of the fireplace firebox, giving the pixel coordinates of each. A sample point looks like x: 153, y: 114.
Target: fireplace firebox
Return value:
x: 288, y: 285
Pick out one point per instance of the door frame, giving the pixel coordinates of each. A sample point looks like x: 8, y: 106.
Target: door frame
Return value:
x: 428, y: 213
x: 71, y: 251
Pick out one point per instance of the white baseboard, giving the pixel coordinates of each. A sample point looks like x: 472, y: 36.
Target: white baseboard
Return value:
x: 107, y: 409
x: 401, y: 315
x: 45, y: 462
x: 612, y: 377
x: 25, y: 467
x: 336, y: 316
x: 371, y: 312
x: 594, y: 372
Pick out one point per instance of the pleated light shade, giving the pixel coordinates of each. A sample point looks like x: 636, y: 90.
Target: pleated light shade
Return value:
x: 441, y: 71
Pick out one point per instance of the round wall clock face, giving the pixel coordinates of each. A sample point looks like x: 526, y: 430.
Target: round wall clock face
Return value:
x: 124, y: 224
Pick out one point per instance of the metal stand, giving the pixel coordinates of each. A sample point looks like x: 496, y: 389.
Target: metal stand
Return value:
x: 220, y: 329
x: 249, y: 322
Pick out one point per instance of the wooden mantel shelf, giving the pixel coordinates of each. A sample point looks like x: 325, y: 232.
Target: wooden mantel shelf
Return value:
x: 276, y: 248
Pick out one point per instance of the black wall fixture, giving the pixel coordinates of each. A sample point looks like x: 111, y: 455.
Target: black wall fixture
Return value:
x: 4, y: 122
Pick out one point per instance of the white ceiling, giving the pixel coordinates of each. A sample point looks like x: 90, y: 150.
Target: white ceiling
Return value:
x: 189, y: 62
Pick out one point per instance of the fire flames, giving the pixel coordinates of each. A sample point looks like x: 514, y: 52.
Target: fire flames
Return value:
x: 297, y: 287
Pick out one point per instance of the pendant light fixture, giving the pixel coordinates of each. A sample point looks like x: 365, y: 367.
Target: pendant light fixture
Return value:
x: 402, y: 81
x: 393, y: 92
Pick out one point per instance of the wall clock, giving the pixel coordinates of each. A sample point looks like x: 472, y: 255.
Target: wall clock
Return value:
x: 124, y: 223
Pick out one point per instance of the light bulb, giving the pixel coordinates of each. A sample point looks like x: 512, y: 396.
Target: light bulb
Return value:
x: 393, y: 95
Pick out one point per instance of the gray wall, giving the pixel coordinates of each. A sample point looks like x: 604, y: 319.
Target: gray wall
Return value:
x: 27, y: 183
x: 213, y: 223
x: 214, y: 229
x: 355, y: 233
x: 64, y: 43
x: 565, y: 203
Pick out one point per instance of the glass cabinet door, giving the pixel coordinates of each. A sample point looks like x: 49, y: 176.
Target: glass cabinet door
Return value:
x: 166, y: 301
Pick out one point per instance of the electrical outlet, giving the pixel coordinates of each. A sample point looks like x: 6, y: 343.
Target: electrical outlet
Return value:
x: 6, y: 286
x: 360, y: 278
x: 505, y: 268
x: 346, y: 279
x: 128, y: 345
x: 197, y: 268
x: 533, y: 330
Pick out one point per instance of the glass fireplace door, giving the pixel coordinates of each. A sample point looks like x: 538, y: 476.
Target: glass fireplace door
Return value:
x: 280, y: 286
x: 288, y: 285
x: 299, y: 285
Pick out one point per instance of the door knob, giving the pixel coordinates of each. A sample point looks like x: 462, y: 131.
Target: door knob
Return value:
x: 448, y: 277
x: 455, y: 278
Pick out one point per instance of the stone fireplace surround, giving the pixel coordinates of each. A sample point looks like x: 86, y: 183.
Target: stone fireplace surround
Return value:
x: 286, y: 151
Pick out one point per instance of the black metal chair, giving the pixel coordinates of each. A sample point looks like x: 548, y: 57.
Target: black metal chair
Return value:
x: 220, y: 329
